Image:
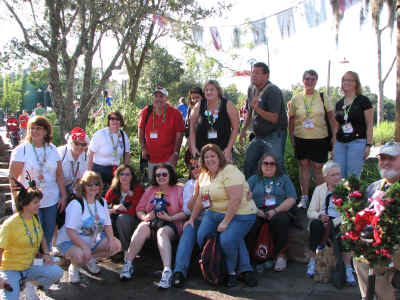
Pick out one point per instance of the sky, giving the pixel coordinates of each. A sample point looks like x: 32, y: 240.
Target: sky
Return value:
x: 290, y: 57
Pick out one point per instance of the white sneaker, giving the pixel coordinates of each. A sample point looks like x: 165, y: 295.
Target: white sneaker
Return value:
x: 73, y: 274
x: 127, y: 271
x: 350, y: 276
x: 303, y: 202
x: 92, y: 266
x: 311, y: 268
x: 166, y: 279
x: 30, y: 291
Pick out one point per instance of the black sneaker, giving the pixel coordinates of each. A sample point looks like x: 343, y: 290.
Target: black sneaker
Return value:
x: 231, y: 281
x: 249, y: 278
x: 178, y: 280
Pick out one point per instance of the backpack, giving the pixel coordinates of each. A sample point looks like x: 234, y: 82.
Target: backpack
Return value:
x: 144, y: 161
x: 211, y: 261
x: 264, y: 248
x: 60, y: 219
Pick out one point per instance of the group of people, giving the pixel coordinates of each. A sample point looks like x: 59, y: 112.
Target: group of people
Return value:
x: 107, y: 210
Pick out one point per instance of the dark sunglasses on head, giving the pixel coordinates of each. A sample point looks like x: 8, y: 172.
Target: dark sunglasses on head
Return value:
x: 80, y: 144
x: 114, y: 119
x: 162, y: 174
x: 93, y: 184
x: 269, y: 163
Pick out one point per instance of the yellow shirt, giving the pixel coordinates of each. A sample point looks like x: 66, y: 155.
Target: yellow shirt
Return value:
x: 229, y: 176
x: 18, y: 253
x: 317, y: 115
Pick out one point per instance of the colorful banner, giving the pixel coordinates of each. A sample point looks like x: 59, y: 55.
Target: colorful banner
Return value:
x: 286, y: 23
x: 315, y: 12
x: 258, y: 29
x: 216, y: 38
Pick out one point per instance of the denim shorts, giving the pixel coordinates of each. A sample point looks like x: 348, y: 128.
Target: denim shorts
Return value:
x: 64, y: 246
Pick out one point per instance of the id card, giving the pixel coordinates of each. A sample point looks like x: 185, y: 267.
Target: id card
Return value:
x: 269, y: 200
x: 206, y: 201
x: 153, y: 135
x: 347, y: 128
x: 308, y: 123
x: 38, y: 262
x: 212, y: 134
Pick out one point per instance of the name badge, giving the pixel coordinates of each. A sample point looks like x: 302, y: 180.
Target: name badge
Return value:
x: 212, y: 134
x: 206, y: 201
x: 308, y: 123
x: 38, y: 262
x: 347, y: 128
x: 269, y: 200
x: 153, y: 135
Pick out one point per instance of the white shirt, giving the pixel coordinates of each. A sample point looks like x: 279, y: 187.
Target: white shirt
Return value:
x: 102, y: 147
x: 70, y: 165
x: 83, y: 223
x: 25, y: 153
x: 188, y: 191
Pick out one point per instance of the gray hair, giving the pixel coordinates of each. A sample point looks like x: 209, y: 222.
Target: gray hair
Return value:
x: 328, y: 166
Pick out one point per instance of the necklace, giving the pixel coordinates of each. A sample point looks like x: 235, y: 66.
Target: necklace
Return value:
x: 29, y: 234
x: 212, y: 115
x: 95, y: 216
x: 308, y: 105
x: 162, y: 120
x: 346, y: 108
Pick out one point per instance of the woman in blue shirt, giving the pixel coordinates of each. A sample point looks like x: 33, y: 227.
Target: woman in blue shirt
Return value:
x: 274, y: 195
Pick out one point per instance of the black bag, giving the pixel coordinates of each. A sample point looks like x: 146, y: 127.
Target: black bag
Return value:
x: 211, y: 261
x: 328, y: 125
x: 338, y: 274
x: 144, y: 162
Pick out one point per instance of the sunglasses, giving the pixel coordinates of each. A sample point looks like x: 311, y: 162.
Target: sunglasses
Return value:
x: 310, y: 79
x: 125, y: 174
x: 194, y: 168
x: 158, y: 175
x: 80, y: 144
x: 114, y: 119
x: 269, y: 163
x: 92, y: 184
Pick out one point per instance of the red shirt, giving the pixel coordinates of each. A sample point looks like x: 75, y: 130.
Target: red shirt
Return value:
x: 138, y: 191
x: 160, y: 132
x: 23, y: 121
x: 12, y: 124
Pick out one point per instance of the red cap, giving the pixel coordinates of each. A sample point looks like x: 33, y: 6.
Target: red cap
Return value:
x: 78, y: 133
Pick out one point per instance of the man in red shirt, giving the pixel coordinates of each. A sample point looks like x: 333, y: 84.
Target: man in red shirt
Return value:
x: 160, y: 136
x: 23, y: 123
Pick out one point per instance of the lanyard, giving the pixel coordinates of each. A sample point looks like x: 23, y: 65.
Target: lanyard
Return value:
x: 308, y: 105
x: 346, y: 109
x: 114, y: 145
x: 41, y: 163
x: 154, y: 119
x: 212, y: 116
x: 74, y: 173
x: 96, y: 217
x: 28, y: 233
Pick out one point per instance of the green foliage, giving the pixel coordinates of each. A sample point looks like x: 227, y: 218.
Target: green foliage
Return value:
x: 384, y: 133
x: 12, y: 92
x: 370, y: 171
x: 232, y: 93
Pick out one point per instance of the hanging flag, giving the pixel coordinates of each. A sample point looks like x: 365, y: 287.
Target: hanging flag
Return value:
x: 198, y: 35
x: 286, y: 23
x: 236, y: 37
x: 315, y: 12
x: 258, y: 28
x: 242, y: 73
x: 346, y: 4
x: 216, y: 38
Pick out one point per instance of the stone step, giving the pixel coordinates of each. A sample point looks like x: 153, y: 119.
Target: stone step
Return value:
x: 3, y: 164
x: 4, y: 187
x: 4, y: 180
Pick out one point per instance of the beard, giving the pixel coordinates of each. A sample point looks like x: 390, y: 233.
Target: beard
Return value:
x: 389, y: 173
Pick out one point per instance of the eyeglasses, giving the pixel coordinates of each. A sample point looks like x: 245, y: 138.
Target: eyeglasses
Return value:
x: 158, y: 175
x: 269, y: 163
x: 310, y: 79
x: 348, y: 80
x: 93, y: 184
x: 124, y: 174
x: 80, y: 144
x: 114, y: 119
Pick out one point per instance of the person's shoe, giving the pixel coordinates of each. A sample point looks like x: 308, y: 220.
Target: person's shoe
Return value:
x: 127, y: 271
x: 303, y: 202
x: 269, y: 264
x: 73, y: 274
x: 311, y: 268
x: 93, y: 267
x: 350, y: 276
x: 248, y: 278
x: 166, y: 279
x: 178, y: 280
x: 30, y: 291
x: 259, y: 268
x: 230, y: 280
x: 280, y: 264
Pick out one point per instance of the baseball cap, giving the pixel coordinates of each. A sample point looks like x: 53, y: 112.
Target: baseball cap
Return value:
x: 161, y: 90
x: 390, y: 148
x: 78, y: 133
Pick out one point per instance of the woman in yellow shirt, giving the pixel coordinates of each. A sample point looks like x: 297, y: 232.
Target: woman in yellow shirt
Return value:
x: 21, y: 235
x: 224, y: 193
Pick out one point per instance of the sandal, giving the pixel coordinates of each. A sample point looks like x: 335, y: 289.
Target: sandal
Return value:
x: 280, y: 264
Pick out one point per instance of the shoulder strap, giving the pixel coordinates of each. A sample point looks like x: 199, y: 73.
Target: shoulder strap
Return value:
x: 80, y: 200
x: 328, y: 196
x: 123, y: 140
x: 323, y: 100
x: 65, y: 153
x: 149, y: 111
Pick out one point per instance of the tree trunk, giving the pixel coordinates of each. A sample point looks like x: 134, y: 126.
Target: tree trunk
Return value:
x: 397, y: 129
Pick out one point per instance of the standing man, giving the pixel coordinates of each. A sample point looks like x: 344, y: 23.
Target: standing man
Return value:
x: 267, y: 113
x: 23, y: 123
x: 76, y: 109
x: 389, y: 168
x: 160, y: 131
x: 39, y: 110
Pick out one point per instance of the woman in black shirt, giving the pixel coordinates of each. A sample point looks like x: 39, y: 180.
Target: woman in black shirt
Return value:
x: 354, y: 122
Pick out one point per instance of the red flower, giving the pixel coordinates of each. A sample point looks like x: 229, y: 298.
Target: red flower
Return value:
x: 377, y: 237
x: 338, y: 201
x: 355, y: 194
x: 386, y: 253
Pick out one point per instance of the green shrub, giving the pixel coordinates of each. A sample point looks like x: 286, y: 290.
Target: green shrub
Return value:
x: 384, y: 133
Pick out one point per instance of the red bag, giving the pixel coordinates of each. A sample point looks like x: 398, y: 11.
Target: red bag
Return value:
x: 211, y: 261
x: 264, y: 248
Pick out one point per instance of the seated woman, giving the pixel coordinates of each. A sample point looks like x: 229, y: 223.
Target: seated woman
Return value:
x: 189, y: 235
x: 167, y: 225
x: 320, y: 211
x: 122, y: 197
x: 274, y: 195
x: 224, y: 191
x: 21, y: 235
x: 87, y: 232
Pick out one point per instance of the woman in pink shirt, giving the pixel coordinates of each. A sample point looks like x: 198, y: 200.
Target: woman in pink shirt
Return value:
x: 166, y: 224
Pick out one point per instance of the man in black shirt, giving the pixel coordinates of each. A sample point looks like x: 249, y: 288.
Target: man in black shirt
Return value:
x: 267, y: 114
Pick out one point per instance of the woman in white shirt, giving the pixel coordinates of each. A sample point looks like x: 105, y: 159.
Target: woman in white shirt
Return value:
x: 40, y: 158
x: 74, y: 158
x: 108, y: 146
x: 87, y: 232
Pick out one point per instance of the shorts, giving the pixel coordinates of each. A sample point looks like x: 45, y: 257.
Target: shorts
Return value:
x: 315, y: 150
x: 64, y: 246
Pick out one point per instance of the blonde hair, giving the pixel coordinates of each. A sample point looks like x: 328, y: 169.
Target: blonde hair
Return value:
x: 89, y: 177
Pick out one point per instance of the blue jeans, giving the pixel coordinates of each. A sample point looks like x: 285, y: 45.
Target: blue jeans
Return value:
x: 185, y: 248
x: 232, y: 239
x: 48, y: 216
x: 44, y: 275
x: 350, y: 157
x: 273, y: 143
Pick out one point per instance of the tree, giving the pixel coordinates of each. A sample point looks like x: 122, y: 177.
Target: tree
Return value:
x: 232, y: 93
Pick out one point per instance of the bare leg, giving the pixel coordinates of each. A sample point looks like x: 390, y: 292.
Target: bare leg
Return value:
x: 304, y: 176
x: 164, y: 237
x: 318, y: 172
x: 103, y: 251
x: 77, y: 256
x: 141, y: 234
